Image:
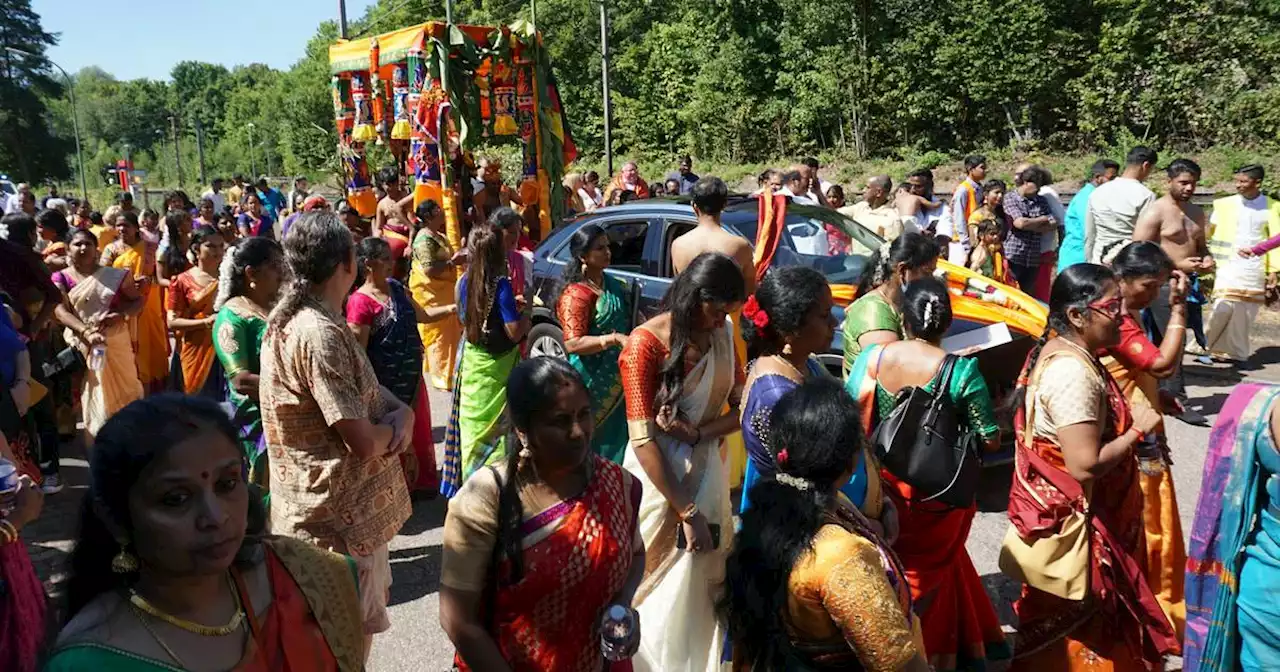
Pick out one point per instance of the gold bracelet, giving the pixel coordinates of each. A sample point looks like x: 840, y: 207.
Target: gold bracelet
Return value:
x: 689, y: 512
x: 10, y: 532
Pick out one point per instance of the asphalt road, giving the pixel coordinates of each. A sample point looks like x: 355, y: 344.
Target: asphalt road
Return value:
x: 416, y: 641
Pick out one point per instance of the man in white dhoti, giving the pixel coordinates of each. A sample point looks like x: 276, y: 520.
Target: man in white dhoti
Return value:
x: 1239, y: 223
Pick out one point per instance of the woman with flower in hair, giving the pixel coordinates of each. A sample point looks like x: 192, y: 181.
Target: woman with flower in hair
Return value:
x: 875, y: 317
x: 961, y: 629
x: 249, y: 281
x: 810, y: 583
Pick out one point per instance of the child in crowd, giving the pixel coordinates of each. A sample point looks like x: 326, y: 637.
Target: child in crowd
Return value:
x: 992, y: 208
x: 987, y: 256
x: 151, y: 226
x: 835, y: 197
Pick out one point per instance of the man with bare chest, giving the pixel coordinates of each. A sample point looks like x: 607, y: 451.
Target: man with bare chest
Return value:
x: 1179, y: 226
x: 709, y: 195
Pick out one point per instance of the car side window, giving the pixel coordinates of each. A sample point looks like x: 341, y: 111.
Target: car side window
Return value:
x: 675, y: 229
x: 626, y: 244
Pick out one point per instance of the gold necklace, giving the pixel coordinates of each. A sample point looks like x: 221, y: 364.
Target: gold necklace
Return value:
x: 141, y: 603
x: 799, y: 375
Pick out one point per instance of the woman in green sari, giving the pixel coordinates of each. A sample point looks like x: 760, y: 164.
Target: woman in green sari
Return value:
x: 961, y: 629
x: 875, y: 316
x: 248, y: 283
x: 595, y: 317
x: 494, y: 326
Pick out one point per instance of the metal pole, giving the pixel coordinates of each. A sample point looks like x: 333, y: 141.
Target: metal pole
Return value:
x: 253, y: 163
x: 200, y: 150
x: 342, y: 19
x: 448, y: 12
x: 75, y: 118
x: 604, y: 82
x: 128, y: 183
x: 177, y: 156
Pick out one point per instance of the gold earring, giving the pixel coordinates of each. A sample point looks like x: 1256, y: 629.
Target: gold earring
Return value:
x: 786, y: 349
x: 124, y: 562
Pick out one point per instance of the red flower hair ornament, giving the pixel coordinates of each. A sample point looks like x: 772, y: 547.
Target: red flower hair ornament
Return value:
x: 752, y: 311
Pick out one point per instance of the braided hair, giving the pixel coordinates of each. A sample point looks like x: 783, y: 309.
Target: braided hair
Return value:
x: 531, y: 389
x: 317, y: 245
x: 248, y: 253
x: 916, y: 250
x: 926, y: 309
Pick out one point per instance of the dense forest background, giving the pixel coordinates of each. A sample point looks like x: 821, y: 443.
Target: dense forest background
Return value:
x: 728, y: 81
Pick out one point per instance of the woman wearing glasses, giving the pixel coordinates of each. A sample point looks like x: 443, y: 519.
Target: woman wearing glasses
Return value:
x: 1075, y: 491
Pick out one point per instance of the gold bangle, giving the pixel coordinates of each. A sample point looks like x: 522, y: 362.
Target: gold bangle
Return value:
x: 689, y: 512
x: 1175, y: 326
x: 10, y: 532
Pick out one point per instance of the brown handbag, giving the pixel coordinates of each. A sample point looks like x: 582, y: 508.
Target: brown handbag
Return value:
x: 1057, y: 564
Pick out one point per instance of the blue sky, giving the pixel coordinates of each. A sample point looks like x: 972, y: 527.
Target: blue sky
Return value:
x: 145, y: 38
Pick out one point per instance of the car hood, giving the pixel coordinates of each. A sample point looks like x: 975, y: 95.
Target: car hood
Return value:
x: 979, y: 299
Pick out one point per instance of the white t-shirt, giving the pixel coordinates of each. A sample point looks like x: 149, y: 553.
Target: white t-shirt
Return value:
x: 1049, y: 239
x: 1113, y: 213
x: 219, y: 201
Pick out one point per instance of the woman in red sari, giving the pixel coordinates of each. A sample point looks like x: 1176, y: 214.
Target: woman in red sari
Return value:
x: 1076, y: 475
x: 171, y: 567
x: 536, y: 551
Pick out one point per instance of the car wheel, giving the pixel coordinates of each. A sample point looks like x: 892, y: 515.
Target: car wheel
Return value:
x: 546, y: 340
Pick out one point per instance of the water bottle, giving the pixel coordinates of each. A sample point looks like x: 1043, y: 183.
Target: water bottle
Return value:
x: 615, y: 632
x: 8, y: 486
x: 97, y: 357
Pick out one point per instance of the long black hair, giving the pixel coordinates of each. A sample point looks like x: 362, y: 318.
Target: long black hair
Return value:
x: 175, y: 255
x: 926, y: 308
x: 317, y: 244
x: 488, y: 253
x: 531, y: 388
x: 579, y: 244
x: 135, y: 436
x: 913, y: 249
x: 54, y: 220
x: 1140, y: 259
x: 1076, y: 286
x: 367, y: 250
x: 711, y: 278
x: 786, y: 295
x: 248, y: 253
x: 818, y: 426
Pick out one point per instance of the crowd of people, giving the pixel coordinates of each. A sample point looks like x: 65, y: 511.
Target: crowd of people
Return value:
x: 249, y: 374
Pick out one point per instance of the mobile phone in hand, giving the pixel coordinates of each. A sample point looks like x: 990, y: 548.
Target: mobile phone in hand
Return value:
x: 683, y: 543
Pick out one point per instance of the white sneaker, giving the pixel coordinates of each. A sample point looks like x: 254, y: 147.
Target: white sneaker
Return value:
x: 52, y: 484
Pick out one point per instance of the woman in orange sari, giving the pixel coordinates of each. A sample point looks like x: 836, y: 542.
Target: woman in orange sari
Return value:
x: 150, y: 336
x: 157, y: 586
x: 1137, y: 364
x: 1075, y: 492
x: 191, y: 315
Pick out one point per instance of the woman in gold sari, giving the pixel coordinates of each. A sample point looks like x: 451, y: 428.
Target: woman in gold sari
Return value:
x: 191, y: 315
x: 810, y: 584
x: 161, y: 583
x: 101, y: 299
x: 432, y: 280
x: 131, y: 252
x: 678, y: 375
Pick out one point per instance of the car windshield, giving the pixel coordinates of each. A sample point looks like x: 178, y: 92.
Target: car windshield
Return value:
x: 821, y: 239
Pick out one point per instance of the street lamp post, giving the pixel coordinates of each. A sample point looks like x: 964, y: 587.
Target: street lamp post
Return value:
x: 604, y: 82
x: 75, y: 117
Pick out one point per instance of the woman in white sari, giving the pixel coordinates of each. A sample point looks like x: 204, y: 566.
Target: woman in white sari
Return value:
x: 678, y: 374
x: 99, y: 299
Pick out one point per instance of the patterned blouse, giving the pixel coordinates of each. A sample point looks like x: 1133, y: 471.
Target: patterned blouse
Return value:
x: 314, y: 374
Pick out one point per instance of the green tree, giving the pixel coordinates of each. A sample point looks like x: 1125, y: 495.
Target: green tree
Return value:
x: 30, y: 148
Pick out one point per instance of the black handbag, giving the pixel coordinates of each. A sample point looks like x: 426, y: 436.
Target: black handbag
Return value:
x: 924, y: 442
x: 66, y: 362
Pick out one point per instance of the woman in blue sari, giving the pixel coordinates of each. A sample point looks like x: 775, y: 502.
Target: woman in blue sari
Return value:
x: 1233, y: 567
x: 594, y: 313
x: 784, y: 323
